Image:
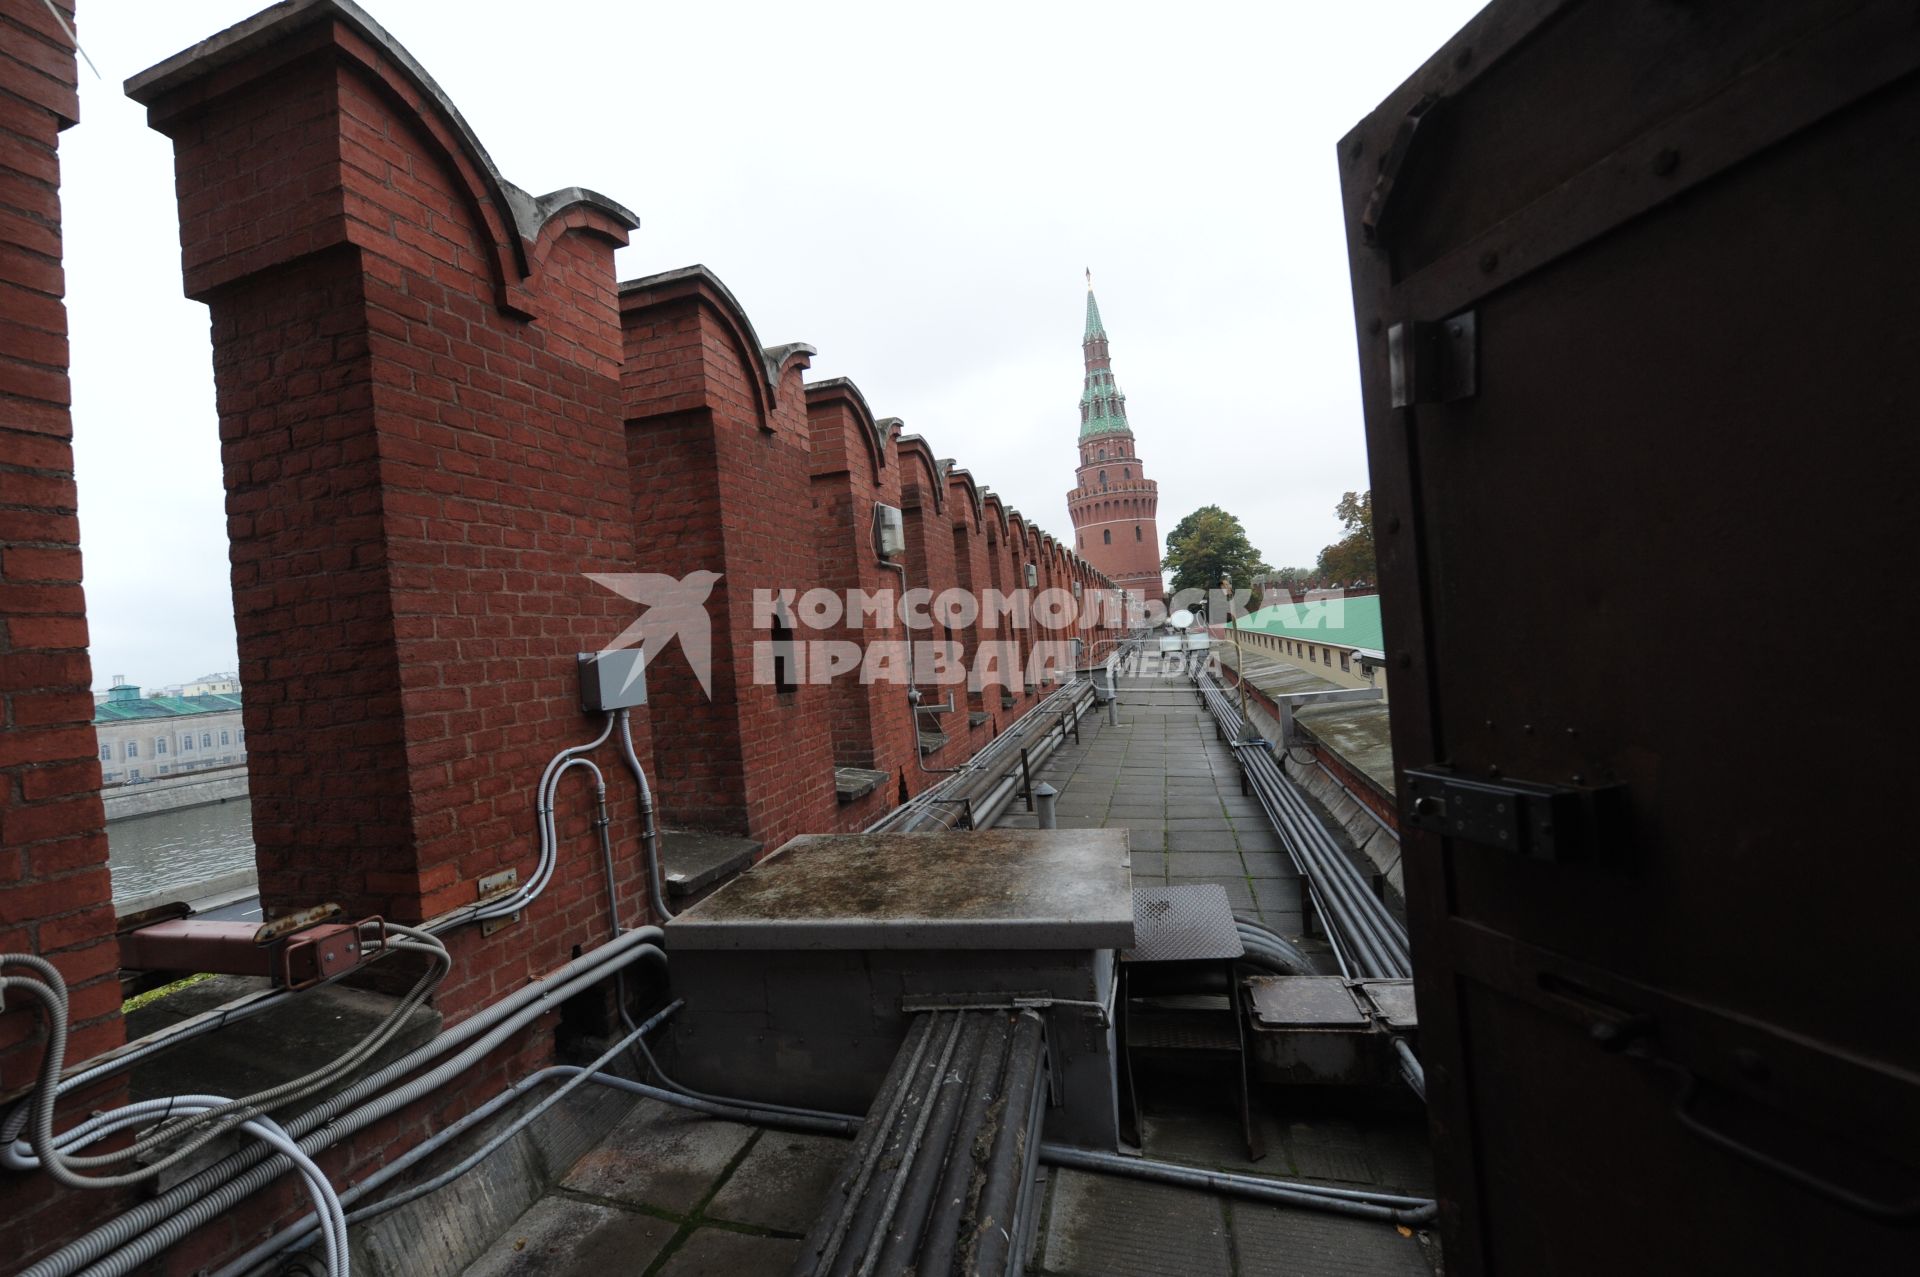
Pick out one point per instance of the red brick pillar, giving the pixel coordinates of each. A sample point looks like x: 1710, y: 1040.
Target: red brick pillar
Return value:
x: 855, y: 467
x: 923, y: 499
x: 416, y: 366
x: 968, y: 518
x: 1018, y: 628
x: 719, y: 454
x: 994, y: 629
x: 56, y: 900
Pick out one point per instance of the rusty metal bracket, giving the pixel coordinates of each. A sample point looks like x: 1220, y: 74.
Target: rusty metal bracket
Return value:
x: 300, y: 920
x: 320, y: 953
x: 491, y: 886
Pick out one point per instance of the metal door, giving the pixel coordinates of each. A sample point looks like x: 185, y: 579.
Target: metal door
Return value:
x: 1637, y: 287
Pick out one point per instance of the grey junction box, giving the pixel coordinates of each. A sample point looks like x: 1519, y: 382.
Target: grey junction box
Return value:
x: 613, y: 680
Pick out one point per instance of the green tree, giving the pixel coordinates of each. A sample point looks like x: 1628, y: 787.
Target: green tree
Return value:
x: 1351, y: 558
x: 1209, y: 544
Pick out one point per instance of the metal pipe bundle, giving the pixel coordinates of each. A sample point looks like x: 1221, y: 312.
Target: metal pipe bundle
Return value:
x: 1367, y: 935
x: 940, y: 1180
x: 987, y: 781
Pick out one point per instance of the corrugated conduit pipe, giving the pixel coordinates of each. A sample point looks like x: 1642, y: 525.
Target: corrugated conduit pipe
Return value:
x: 17, y: 1119
x: 45, y: 1150
x: 1270, y: 950
x: 150, y: 1227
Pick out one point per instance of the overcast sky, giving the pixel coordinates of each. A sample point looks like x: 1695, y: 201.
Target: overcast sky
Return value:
x: 914, y: 189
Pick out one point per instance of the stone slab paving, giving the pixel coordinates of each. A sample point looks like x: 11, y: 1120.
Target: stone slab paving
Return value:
x: 670, y: 1193
x: 660, y: 1157
x: 781, y: 1182
x: 714, y: 1252
x: 570, y: 1238
x: 1103, y: 1227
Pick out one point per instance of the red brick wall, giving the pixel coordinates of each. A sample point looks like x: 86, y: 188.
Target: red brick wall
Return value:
x: 55, y: 896
x: 726, y: 453
x: 424, y: 457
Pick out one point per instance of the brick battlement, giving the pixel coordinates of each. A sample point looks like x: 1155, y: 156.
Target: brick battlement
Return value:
x: 442, y: 417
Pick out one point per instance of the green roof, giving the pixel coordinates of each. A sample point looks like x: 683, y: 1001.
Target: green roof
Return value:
x: 121, y: 709
x: 1103, y: 409
x: 1340, y: 622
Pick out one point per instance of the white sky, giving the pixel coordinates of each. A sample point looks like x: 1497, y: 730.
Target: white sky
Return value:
x: 913, y: 189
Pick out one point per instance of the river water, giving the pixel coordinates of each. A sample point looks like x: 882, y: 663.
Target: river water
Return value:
x: 173, y: 850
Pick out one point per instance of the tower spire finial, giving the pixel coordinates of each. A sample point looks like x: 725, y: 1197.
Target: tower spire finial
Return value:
x: 1089, y: 279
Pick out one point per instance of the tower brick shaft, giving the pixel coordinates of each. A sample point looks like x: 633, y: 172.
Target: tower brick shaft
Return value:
x: 1113, y: 503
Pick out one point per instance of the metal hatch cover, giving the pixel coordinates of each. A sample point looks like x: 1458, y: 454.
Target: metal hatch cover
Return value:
x: 1304, y: 1001
x: 1393, y: 999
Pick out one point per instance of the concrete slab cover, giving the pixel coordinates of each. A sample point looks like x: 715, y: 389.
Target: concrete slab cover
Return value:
x: 662, y: 1157
x: 1122, y: 1228
x: 717, y: 1252
x: 782, y: 1183
x: 560, y: 1237
x: 997, y: 888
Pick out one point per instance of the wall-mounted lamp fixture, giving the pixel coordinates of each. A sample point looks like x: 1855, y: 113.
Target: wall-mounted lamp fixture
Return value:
x: 889, y: 531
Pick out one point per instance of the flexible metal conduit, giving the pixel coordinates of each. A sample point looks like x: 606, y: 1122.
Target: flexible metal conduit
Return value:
x: 1271, y: 950
x: 152, y: 1226
x: 1368, y: 940
x: 202, y: 1122
x: 1410, y: 1211
x: 127, y: 1056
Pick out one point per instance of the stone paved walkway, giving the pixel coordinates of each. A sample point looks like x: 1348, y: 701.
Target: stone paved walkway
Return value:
x: 674, y: 1194
x: 1162, y: 776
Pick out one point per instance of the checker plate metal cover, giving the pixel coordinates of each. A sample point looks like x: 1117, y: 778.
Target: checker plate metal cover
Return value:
x: 1189, y: 923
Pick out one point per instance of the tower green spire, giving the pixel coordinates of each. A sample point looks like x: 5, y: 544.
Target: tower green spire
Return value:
x: 1103, y: 409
